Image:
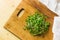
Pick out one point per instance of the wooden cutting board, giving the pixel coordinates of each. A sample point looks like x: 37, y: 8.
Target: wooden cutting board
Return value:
x: 16, y: 23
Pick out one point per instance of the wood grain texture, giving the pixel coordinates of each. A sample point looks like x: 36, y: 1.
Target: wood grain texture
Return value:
x: 16, y: 24
x: 41, y: 7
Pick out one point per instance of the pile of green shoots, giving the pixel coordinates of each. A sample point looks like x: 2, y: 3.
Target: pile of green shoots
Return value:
x: 36, y: 24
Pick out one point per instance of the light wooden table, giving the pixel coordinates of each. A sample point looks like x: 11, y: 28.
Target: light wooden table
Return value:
x: 7, y: 7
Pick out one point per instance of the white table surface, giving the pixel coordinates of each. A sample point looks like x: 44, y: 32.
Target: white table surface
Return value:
x: 7, y: 7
